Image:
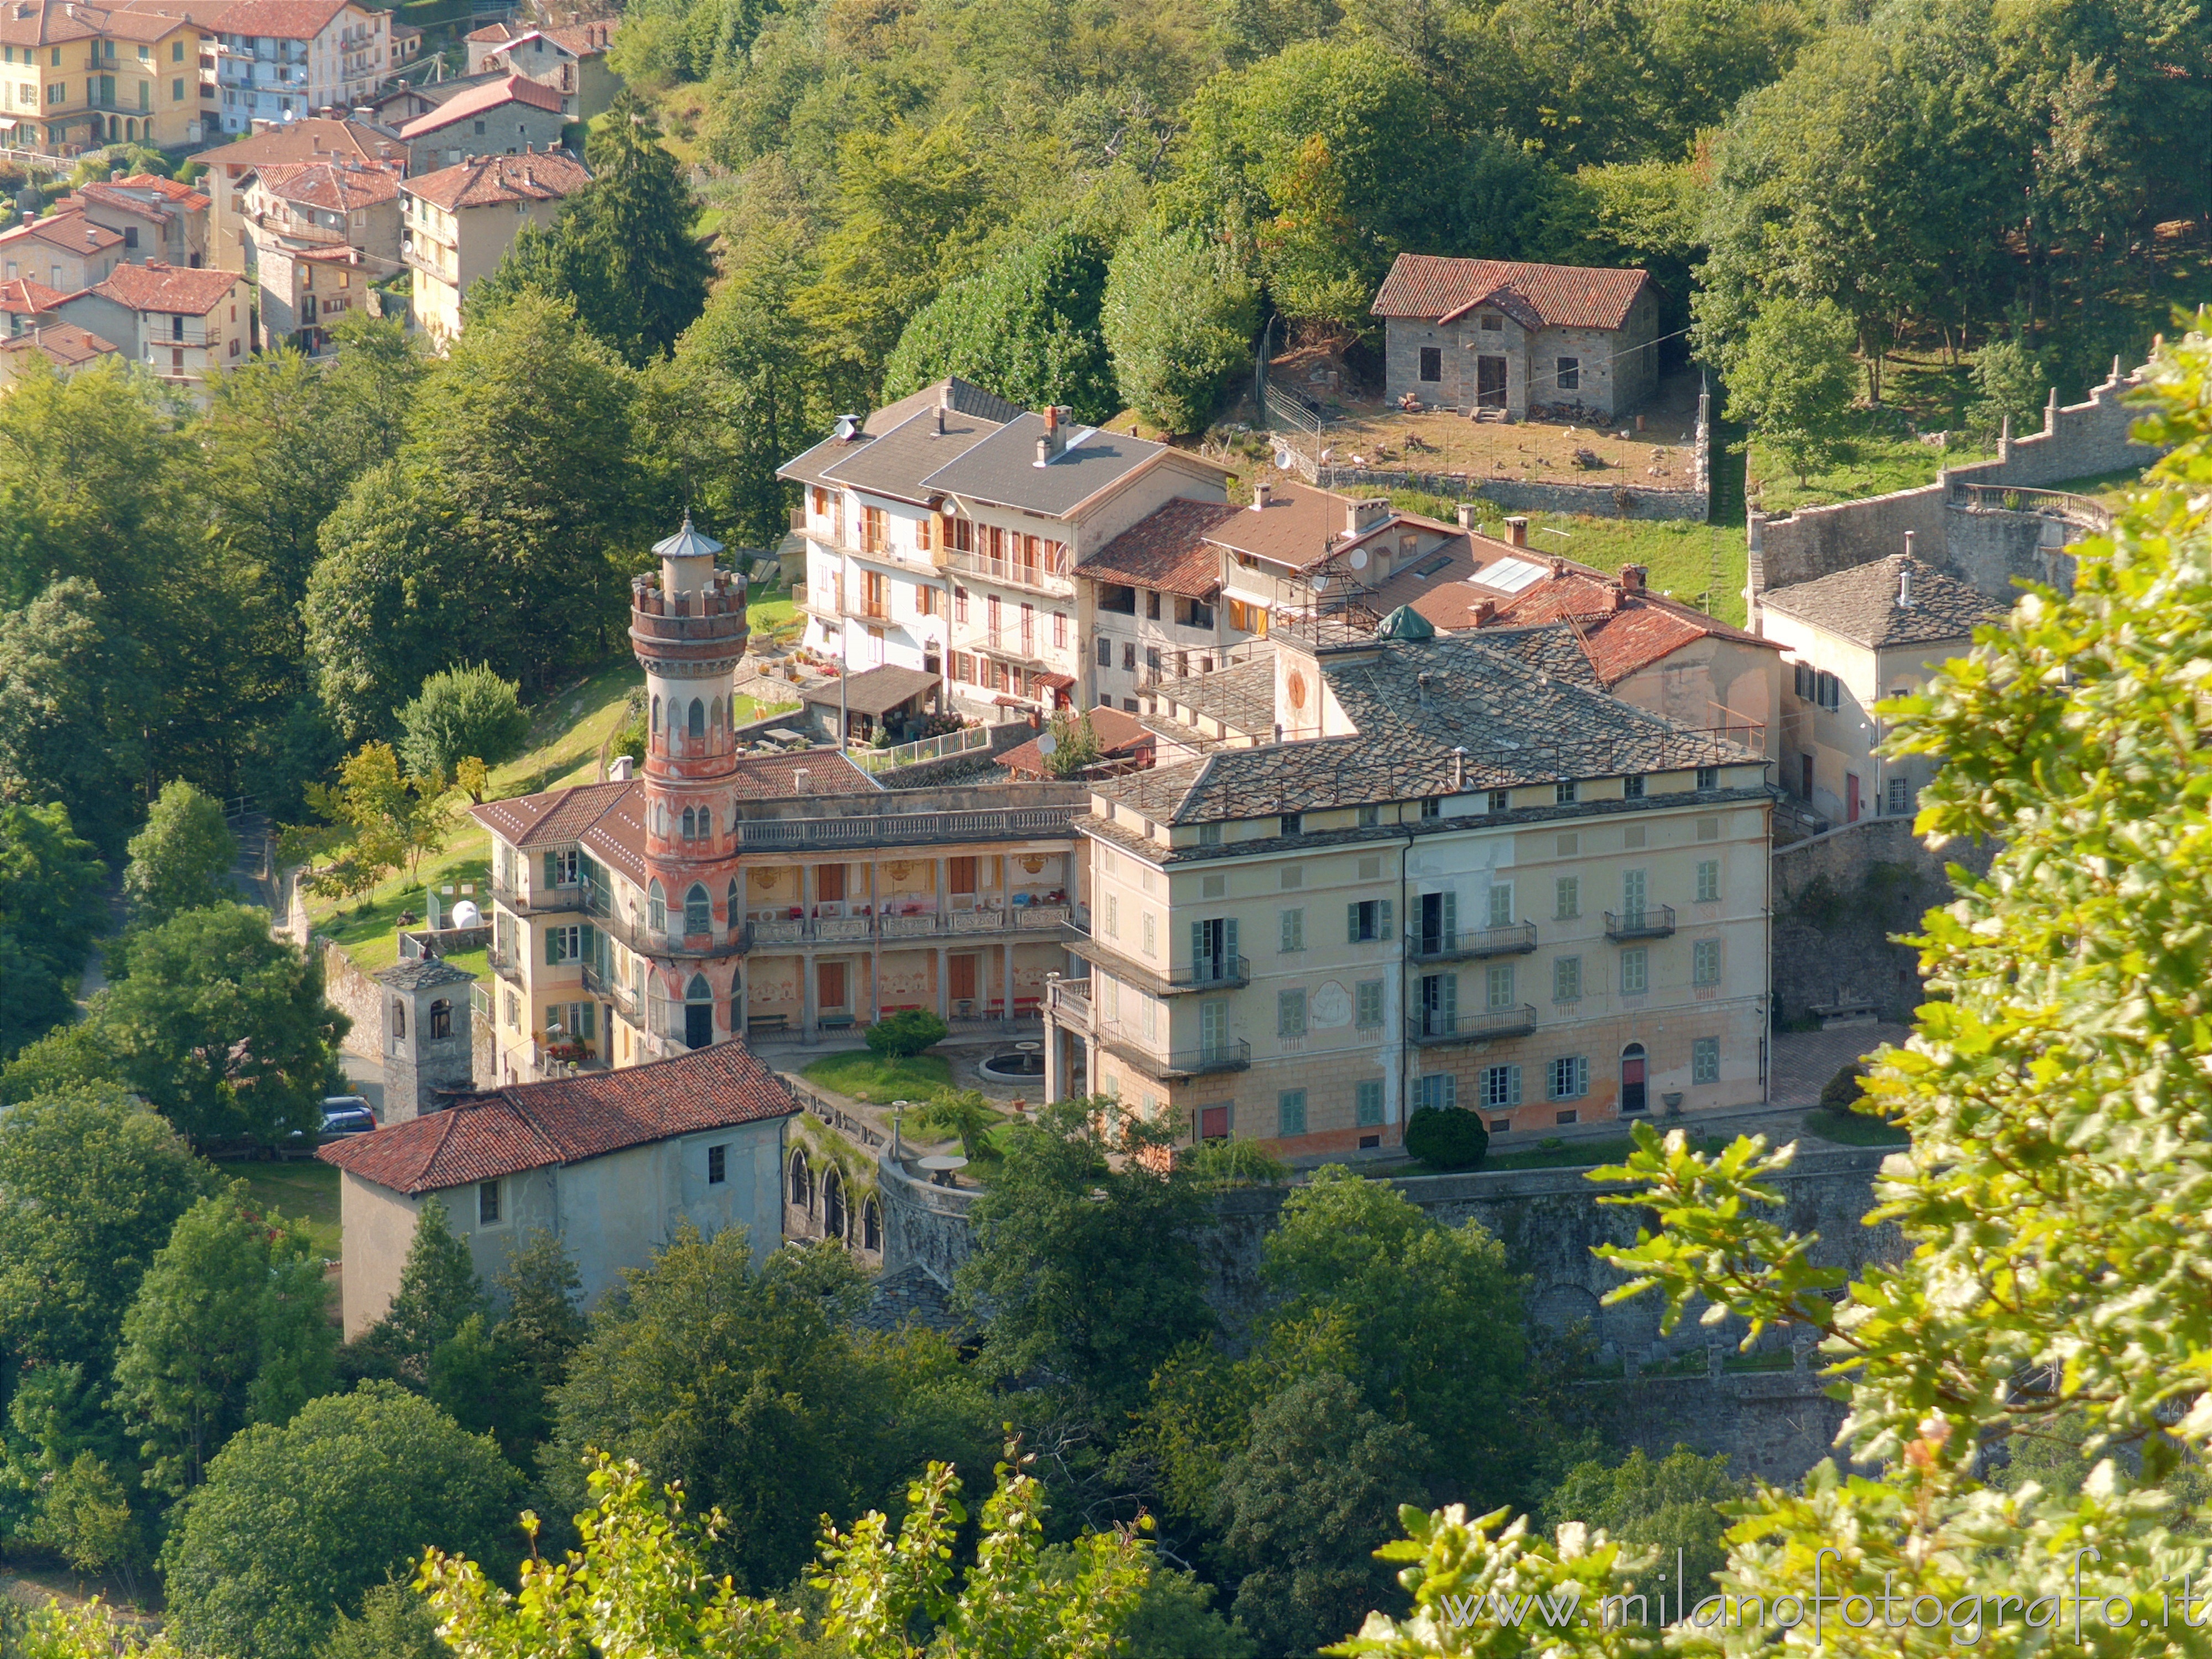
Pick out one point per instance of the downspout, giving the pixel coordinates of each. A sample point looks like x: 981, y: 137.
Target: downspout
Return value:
x: 1766, y: 1043
x: 1405, y: 1042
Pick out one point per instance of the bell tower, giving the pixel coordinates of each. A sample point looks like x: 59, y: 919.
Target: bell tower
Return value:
x: 688, y: 628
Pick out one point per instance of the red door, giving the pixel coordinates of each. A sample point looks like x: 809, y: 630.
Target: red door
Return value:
x: 1851, y: 797
x: 1213, y: 1123
x: 1632, y: 1099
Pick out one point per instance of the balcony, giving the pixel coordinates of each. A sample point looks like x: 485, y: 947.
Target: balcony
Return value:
x: 1069, y: 1003
x: 1432, y: 1028
x: 506, y: 964
x: 1230, y: 1055
x: 561, y: 902
x: 1039, y: 577
x: 1515, y: 938
x: 885, y: 829
x: 1211, y: 974
x: 1653, y: 922
x: 646, y: 943
x: 892, y: 930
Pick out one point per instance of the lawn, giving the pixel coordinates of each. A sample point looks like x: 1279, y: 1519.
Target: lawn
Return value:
x: 777, y: 616
x: 303, y: 1188
x: 1555, y: 1153
x: 866, y: 1075
x: 1854, y: 1129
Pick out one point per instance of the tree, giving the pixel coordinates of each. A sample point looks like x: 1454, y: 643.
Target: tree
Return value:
x: 230, y: 1326
x: 296, y: 1524
x: 1323, y: 1474
x: 374, y: 820
x: 2045, y: 1286
x: 2012, y: 380
x: 1074, y: 743
x: 637, y: 214
x: 181, y: 860
x: 439, y: 1294
x: 224, y: 1028
x: 1086, y: 1254
x: 85, y: 1516
x: 1670, y: 1505
x: 1446, y: 1137
x: 908, y: 1032
x: 1790, y: 382
x: 1025, y: 327
x: 395, y: 1623
x: 50, y: 910
x: 95, y: 1183
x: 71, y: 721
x: 1178, y: 317
x: 465, y: 713
x: 960, y: 1112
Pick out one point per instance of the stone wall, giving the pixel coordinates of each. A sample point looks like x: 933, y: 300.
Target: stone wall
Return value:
x: 354, y: 995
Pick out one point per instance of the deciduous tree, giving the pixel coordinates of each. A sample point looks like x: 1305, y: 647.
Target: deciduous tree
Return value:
x: 181, y: 860
x: 50, y: 911
x: 465, y: 713
x: 1179, y: 317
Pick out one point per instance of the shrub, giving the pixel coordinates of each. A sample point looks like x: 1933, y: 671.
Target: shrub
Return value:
x: 1446, y: 1137
x: 1236, y: 1164
x: 1841, y: 1093
x: 907, y: 1032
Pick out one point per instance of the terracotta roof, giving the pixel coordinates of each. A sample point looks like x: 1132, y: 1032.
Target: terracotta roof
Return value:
x: 489, y: 180
x: 1623, y: 629
x: 1119, y: 735
x: 422, y: 973
x: 1560, y: 296
x: 279, y: 19
x: 508, y: 89
x: 121, y: 201
x: 51, y: 23
x: 331, y: 186
x: 1861, y: 605
x: 1298, y: 527
x: 171, y: 289
x: 22, y: 297
x: 770, y: 777
x: 183, y: 195
x: 303, y: 140
x: 69, y: 230
x: 64, y: 344
x: 551, y: 816
x: 1166, y: 549
x: 532, y: 1125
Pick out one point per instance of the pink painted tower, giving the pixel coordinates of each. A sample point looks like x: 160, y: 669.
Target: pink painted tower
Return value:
x: 688, y: 628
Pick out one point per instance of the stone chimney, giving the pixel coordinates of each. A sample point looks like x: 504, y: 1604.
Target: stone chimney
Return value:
x: 1467, y: 515
x: 1517, y: 530
x: 1263, y: 493
x: 1632, y: 578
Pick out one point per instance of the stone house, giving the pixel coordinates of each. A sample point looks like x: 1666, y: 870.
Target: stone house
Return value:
x: 182, y: 324
x: 1850, y: 640
x: 571, y: 58
x: 159, y: 219
x: 612, y: 1165
x: 65, y: 251
x: 318, y: 232
x: 511, y: 116
x: 1566, y: 342
x: 232, y: 167
x: 459, y: 221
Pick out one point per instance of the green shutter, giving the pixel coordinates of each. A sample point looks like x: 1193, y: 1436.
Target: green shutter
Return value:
x: 1197, y: 948
x: 1229, y: 944
x: 552, y: 947
x: 1383, y: 932
x: 1352, y: 924
x: 1447, y: 998
x: 1450, y: 908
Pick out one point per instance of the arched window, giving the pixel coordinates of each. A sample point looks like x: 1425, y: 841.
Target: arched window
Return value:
x: 656, y: 910
x: 399, y: 1019
x: 802, y: 1182
x: 690, y: 831
x: 656, y: 717
x: 872, y: 1226
x: 717, y: 714
x: 833, y: 1205
x: 698, y: 720
x: 698, y: 918
x: 441, y: 1018
x: 731, y: 902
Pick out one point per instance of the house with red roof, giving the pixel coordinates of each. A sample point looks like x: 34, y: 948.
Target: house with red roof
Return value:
x: 570, y: 58
x: 182, y: 324
x: 65, y: 346
x: 64, y: 251
x: 25, y: 305
x: 458, y: 221
x: 612, y: 1164
x: 1530, y: 340
x: 511, y: 116
x: 281, y: 61
x: 158, y: 218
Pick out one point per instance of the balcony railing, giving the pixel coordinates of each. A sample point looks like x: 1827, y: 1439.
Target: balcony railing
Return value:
x: 855, y: 930
x: 1515, y: 938
x: 1070, y: 1002
x: 1432, y: 1026
x: 561, y: 901
x: 993, y: 824
x: 506, y: 964
x: 1224, y: 973
x: 1039, y: 578
x: 1229, y: 1054
x: 1653, y: 922
x: 929, y: 749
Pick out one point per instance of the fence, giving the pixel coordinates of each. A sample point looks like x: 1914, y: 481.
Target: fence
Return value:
x: 882, y: 829
x: 969, y: 737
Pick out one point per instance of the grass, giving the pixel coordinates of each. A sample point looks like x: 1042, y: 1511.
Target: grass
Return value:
x: 1560, y: 1154
x: 776, y: 616
x: 2112, y: 488
x: 304, y: 1189
x: 866, y: 1075
x: 1854, y: 1129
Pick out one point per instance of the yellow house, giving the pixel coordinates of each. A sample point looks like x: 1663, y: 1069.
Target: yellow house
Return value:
x: 76, y: 76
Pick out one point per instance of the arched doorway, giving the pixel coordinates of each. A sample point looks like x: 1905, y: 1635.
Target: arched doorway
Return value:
x: 698, y: 1012
x: 1633, y: 1096
x: 833, y: 1205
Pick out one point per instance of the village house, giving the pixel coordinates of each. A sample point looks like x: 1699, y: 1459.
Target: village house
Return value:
x: 319, y: 234
x: 182, y: 324
x: 1536, y: 341
x: 510, y: 116
x: 459, y: 221
x: 282, y: 61
x: 721, y: 895
x: 944, y: 532
x: 160, y: 220
x: 65, y: 346
x: 1409, y: 870
x: 232, y: 167
x: 612, y: 1166
x: 76, y: 74
x: 571, y: 58
x: 65, y: 251
x: 1852, y: 640
x: 26, y: 304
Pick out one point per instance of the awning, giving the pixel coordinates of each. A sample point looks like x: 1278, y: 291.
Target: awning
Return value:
x: 1057, y: 682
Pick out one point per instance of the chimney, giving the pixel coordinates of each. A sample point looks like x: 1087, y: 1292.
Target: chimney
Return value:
x: 1908, y: 544
x: 1467, y: 515
x: 1262, y: 493
x: 1044, y: 452
x: 798, y: 782
x: 1421, y: 687
x: 1517, y: 530
x: 117, y: 175
x: 1904, y: 587
x: 618, y: 770
x: 1458, y: 771
x: 1483, y: 612
x: 937, y: 420
x: 849, y: 428
x: 1558, y: 566
x: 1632, y: 578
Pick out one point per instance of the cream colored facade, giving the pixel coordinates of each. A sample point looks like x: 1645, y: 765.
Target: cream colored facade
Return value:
x: 450, y: 248
x: 1831, y: 736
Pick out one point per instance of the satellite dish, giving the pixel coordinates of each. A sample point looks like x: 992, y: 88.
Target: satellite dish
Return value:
x: 1359, y: 558
x: 1048, y: 745
x: 1321, y: 583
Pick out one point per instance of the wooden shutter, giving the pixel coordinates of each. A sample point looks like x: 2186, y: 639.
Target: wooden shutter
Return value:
x: 1449, y: 910
x: 552, y: 871
x: 1352, y: 924
x: 1229, y: 944
x: 1383, y: 930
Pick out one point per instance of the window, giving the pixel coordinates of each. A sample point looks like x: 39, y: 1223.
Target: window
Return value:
x: 1213, y: 1123
x: 1803, y: 681
x: 1367, y: 1003
x: 399, y: 1019
x: 1152, y: 941
x: 1367, y: 1104
x: 1293, y: 875
x: 1105, y: 652
x: 1501, y: 801
x: 718, y: 1171
x: 1290, y: 821
x: 1635, y: 972
x: 1370, y: 869
x: 1129, y: 658
x: 960, y: 605
x: 488, y: 1204
x: 1113, y: 916
x: 1152, y: 605
x: 1709, y: 777
x: 1290, y: 1013
x: 1500, y: 904
x: 1901, y: 796
x: 1570, y: 1076
x: 1709, y: 829
x: 1567, y: 979
x: 1828, y: 690
x: 563, y: 944
x: 1563, y: 793
x: 1501, y: 1086
x: 441, y: 1018
x: 1367, y: 922
x: 1708, y: 881
x: 514, y: 1011
x: 1571, y: 373
x: 176, y: 51
x: 1290, y: 1113
x: 1704, y: 1059
x: 656, y: 909
x: 1432, y: 808
x: 698, y: 911
x: 1632, y: 786
x: 1492, y: 323
x: 1432, y: 363
x: 1369, y: 817
x: 131, y: 236
x: 1705, y: 962
x: 1209, y: 834
x: 1566, y: 897
x: 1292, y: 931
x: 1435, y: 1094
x: 1213, y: 886
x: 1497, y: 982
x: 1633, y: 893
x: 1153, y: 661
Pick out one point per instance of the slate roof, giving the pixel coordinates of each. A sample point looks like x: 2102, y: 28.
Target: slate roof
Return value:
x: 1861, y: 605
x: 1517, y: 728
x: 968, y: 401
x: 492, y: 181
x: 1423, y: 285
x: 508, y: 89
x: 1167, y: 549
x: 892, y: 464
x: 912, y: 1295
x: 1240, y: 695
x: 532, y: 1125
x: 873, y: 691
x: 422, y: 973
x: 1003, y: 468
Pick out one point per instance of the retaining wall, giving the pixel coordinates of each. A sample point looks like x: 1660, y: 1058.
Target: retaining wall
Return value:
x: 1625, y: 500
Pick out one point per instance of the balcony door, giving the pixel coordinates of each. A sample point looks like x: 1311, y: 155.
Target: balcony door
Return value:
x: 1439, y: 921
x: 698, y: 1013
x: 1214, y: 1028
x: 829, y: 987
x: 1213, y: 949
x: 1633, y: 1097
x: 1439, y: 1004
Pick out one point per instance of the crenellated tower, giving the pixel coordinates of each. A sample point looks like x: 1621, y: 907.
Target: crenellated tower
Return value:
x: 688, y: 628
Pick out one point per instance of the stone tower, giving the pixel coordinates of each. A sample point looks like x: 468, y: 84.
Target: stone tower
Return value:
x: 688, y: 628
x: 427, y: 1057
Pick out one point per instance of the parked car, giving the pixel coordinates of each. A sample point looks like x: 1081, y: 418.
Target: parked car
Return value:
x: 346, y: 1114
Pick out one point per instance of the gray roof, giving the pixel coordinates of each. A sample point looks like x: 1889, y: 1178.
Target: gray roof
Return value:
x: 911, y: 1294
x: 873, y: 691
x: 421, y: 973
x: 1861, y: 605
x: 896, y: 463
x: 1003, y: 469
x: 967, y: 397
x: 686, y: 543
x: 1517, y: 727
